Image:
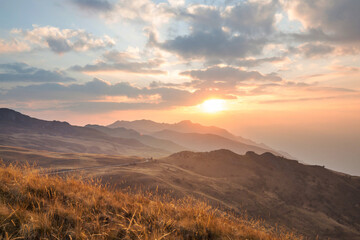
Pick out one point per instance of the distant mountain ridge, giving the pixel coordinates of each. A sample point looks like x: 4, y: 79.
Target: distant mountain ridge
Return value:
x: 146, y: 139
x: 17, y: 129
x: 207, y: 142
x: 186, y: 126
x: 124, y: 138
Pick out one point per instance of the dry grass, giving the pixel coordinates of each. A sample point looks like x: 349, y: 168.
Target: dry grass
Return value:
x: 42, y: 207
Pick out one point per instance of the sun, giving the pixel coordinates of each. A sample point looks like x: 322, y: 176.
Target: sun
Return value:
x: 213, y: 105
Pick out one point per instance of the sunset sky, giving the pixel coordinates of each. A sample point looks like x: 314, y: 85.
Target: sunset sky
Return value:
x: 285, y: 73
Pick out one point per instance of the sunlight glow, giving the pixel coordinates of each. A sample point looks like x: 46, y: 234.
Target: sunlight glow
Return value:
x: 213, y: 105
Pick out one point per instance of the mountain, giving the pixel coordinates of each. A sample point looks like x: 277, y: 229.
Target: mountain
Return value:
x: 24, y: 131
x: 310, y: 200
x: 17, y: 129
x: 141, y: 126
x: 149, y: 127
x: 206, y: 142
x: 145, y: 139
x: 186, y: 126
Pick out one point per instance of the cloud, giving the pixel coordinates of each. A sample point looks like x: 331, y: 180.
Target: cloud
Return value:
x: 94, y: 5
x: 345, y: 69
x: 144, y: 12
x: 227, y: 80
x: 122, y: 61
x: 104, y: 107
x: 92, y: 90
x: 141, y: 10
x: 98, y: 96
x: 214, y: 45
x: 13, y: 46
x: 201, y: 17
x: 21, y: 72
x: 252, y: 17
x: 228, y: 34
x: 338, y: 20
x: 222, y: 34
x: 297, y: 90
x: 95, y: 91
x: 313, y: 50
x: 170, y: 98
x: 258, y: 61
x: 246, y: 17
x: 133, y: 67
x: 226, y: 77
x: 308, y: 99
x: 61, y: 40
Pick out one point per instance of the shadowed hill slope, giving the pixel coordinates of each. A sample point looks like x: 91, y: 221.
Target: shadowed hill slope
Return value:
x: 312, y: 199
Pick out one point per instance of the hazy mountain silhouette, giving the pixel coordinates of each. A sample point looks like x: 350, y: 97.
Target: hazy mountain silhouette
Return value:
x: 186, y: 126
x: 24, y: 131
x: 207, y: 142
x: 145, y: 139
x: 17, y: 129
x: 152, y: 128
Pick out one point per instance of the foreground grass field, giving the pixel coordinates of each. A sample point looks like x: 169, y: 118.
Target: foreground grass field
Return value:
x: 41, y: 207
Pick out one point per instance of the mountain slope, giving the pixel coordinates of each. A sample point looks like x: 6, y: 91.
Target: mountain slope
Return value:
x: 17, y: 129
x: 206, y: 142
x: 145, y: 139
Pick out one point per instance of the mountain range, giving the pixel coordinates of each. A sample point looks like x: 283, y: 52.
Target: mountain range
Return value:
x: 149, y: 127
x: 188, y: 159
x: 20, y: 130
x: 151, y: 140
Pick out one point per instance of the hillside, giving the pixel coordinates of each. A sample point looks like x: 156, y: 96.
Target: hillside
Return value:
x: 17, y: 129
x: 38, y: 207
x: 310, y: 200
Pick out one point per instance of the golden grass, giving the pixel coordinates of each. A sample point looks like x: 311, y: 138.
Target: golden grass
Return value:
x: 41, y: 207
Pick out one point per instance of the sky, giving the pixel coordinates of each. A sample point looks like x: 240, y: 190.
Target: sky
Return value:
x: 285, y: 72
